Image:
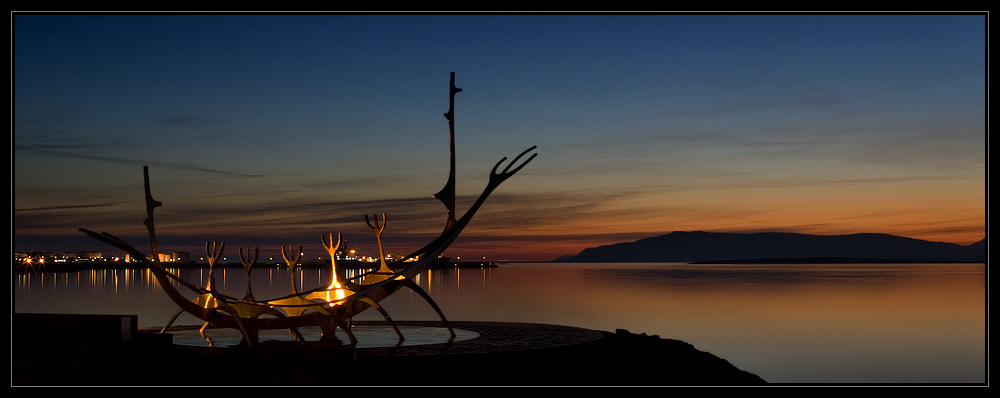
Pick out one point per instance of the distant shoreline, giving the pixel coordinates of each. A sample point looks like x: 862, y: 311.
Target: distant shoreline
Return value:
x: 77, y: 267
x: 699, y: 247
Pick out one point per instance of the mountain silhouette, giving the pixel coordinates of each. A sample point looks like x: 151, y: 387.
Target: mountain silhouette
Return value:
x: 701, y: 246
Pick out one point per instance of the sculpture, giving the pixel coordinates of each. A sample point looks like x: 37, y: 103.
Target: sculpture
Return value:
x: 330, y: 306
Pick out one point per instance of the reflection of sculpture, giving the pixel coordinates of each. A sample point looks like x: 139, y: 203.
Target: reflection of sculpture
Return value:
x: 326, y: 306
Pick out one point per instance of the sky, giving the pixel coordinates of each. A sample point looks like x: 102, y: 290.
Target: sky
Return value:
x: 270, y: 130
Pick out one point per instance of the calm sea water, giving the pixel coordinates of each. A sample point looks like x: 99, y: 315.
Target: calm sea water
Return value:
x: 844, y: 323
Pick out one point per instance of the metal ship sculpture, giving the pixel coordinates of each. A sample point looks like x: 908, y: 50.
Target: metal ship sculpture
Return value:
x: 332, y: 305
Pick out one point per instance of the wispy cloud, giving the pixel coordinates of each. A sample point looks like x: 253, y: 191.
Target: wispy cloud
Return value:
x: 194, y: 121
x: 63, y: 151
x: 68, y: 207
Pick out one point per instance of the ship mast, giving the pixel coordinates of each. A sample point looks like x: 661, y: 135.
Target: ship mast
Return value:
x: 447, y: 194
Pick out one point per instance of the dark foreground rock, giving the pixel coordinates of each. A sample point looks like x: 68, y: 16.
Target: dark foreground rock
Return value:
x: 616, y: 359
x: 504, y: 355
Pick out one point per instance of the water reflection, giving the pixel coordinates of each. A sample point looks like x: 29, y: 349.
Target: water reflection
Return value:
x: 94, y: 281
x: 842, y: 323
x: 716, y: 276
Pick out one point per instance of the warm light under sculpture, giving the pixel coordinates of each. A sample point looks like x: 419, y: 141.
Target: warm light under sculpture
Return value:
x: 332, y: 305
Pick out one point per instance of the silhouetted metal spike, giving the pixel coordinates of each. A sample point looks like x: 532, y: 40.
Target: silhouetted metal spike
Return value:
x: 451, y: 103
x: 497, y: 178
x: 447, y: 194
x: 148, y: 222
x: 150, y: 203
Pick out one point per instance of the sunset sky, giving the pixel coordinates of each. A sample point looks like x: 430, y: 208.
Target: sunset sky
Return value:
x: 273, y: 129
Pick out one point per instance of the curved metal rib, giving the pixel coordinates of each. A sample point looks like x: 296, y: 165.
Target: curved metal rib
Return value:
x: 224, y: 315
x: 436, y: 247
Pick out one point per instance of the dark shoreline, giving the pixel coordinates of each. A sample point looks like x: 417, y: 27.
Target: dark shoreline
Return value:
x: 505, y: 354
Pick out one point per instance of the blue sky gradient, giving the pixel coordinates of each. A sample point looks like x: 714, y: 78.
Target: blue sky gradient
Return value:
x: 274, y: 129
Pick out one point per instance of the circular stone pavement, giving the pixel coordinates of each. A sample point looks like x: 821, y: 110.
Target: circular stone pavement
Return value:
x: 419, y: 337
